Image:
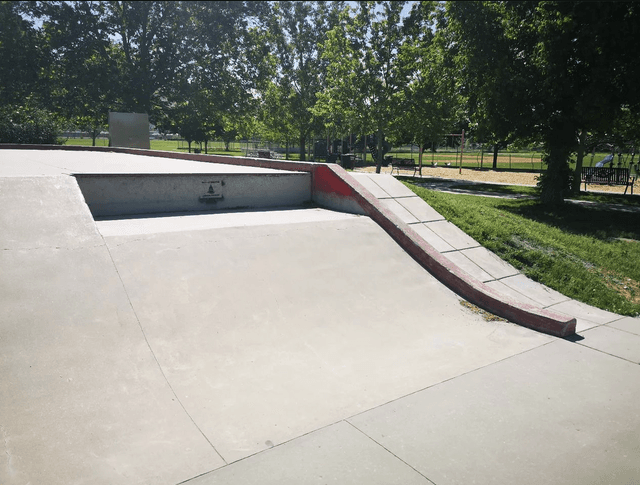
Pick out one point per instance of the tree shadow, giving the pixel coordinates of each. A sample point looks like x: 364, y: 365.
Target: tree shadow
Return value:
x: 595, y: 220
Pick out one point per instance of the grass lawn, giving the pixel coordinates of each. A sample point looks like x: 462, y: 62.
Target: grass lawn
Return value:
x: 590, y: 254
x: 214, y: 148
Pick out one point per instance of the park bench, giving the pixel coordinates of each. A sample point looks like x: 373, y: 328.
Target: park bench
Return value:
x: 405, y: 164
x: 610, y: 176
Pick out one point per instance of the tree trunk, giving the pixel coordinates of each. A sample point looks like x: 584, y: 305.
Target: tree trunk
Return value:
x: 379, y: 160
x: 205, y: 147
x: 189, y: 142
x: 553, y: 180
x: 303, y: 154
x: 421, y: 148
x: 496, y: 147
x: 576, y: 182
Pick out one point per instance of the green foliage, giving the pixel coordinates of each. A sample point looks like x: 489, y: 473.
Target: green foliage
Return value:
x: 365, y: 74
x: 28, y: 125
x: 429, y: 99
x: 297, y: 32
x: 22, y: 56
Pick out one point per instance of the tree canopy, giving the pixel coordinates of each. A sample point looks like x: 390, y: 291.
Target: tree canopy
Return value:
x: 561, y: 74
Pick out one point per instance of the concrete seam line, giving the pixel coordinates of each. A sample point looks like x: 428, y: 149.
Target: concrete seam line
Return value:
x: 387, y: 450
x: 153, y: 354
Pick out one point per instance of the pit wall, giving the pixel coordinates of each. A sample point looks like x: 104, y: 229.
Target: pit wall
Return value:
x: 333, y: 188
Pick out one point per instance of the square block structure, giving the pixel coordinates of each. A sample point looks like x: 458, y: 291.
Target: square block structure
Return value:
x: 130, y: 130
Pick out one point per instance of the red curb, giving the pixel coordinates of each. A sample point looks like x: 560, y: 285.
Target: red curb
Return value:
x: 338, y: 189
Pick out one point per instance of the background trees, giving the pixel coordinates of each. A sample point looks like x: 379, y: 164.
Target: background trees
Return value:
x: 365, y: 75
x: 550, y: 70
x: 297, y: 31
x: 560, y: 73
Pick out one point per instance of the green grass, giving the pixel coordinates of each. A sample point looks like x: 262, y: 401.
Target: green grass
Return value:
x: 214, y: 148
x: 589, y: 253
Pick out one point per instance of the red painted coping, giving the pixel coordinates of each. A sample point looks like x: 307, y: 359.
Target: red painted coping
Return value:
x: 336, y: 188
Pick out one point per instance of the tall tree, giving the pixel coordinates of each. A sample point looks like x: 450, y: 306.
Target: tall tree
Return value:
x: 155, y: 47
x: 430, y: 101
x: 551, y: 70
x: 85, y: 79
x: 23, y: 57
x: 493, y: 79
x: 297, y: 31
x: 365, y: 75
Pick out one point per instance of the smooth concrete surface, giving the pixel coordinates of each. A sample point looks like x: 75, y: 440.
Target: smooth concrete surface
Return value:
x: 466, y: 264
x: 544, y: 295
x: 38, y: 212
x: 24, y: 162
x: 432, y: 238
x: 628, y: 324
x: 399, y: 210
x: 489, y: 262
x: 337, y: 454
x: 561, y: 414
x: 421, y: 211
x: 269, y: 332
x: 586, y: 315
x: 186, y: 221
x: 509, y: 291
x: 614, y: 342
x: 454, y: 236
x: 279, y: 346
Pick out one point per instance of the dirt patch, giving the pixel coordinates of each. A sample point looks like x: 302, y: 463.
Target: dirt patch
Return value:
x: 488, y: 317
x: 491, y: 176
x: 626, y: 287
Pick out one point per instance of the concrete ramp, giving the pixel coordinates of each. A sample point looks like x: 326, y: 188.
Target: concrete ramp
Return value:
x: 153, y: 355
x: 295, y: 345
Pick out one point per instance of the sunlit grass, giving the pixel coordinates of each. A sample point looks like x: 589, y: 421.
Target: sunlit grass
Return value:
x: 590, y: 254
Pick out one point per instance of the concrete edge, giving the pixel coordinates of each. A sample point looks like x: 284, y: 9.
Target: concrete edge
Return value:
x: 334, y: 188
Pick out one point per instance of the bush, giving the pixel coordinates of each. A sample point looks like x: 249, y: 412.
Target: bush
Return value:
x: 28, y: 125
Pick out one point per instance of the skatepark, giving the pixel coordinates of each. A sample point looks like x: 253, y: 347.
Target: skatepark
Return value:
x: 169, y: 318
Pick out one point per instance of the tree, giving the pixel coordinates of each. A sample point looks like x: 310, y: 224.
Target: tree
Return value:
x: 365, y: 76
x: 84, y: 76
x: 276, y: 117
x: 494, y: 78
x: 429, y: 100
x: 297, y: 30
x: 155, y: 47
x: 586, y: 54
x: 23, y: 57
x: 550, y: 70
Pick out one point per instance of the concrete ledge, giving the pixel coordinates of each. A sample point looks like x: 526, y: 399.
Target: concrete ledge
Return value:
x: 126, y: 194
x: 333, y: 188
x: 444, y: 270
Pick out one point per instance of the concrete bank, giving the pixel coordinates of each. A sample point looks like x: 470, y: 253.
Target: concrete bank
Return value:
x: 334, y: 188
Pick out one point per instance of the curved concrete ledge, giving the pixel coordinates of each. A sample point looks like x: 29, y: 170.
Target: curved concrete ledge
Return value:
x: 334, y: 188
x: 444, y: 270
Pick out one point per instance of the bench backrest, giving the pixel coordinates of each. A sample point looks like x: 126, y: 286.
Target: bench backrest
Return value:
x: 605, y: 175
